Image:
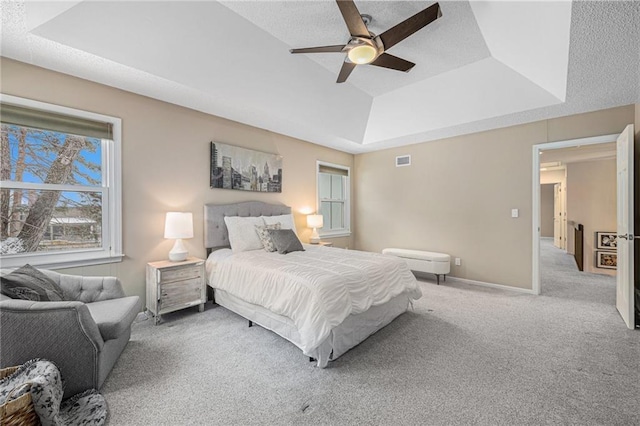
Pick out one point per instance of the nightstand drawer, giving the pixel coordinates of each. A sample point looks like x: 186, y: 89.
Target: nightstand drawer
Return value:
x: 180, y: 293
x: 179, y: 274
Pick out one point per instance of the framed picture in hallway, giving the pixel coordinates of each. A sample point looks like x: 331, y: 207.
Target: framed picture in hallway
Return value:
x: 606, y: 240
x: 606, y: 259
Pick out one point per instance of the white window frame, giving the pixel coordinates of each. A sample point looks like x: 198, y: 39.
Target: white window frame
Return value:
x: 346, y: 231
x: 111, y: 191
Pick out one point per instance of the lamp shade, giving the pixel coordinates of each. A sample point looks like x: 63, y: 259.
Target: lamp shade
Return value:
x: 178, y: 225
x: 314, y: 221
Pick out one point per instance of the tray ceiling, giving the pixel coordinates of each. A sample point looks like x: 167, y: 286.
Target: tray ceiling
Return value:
x: 482, y: 65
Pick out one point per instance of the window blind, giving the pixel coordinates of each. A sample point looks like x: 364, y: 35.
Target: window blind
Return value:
x: 45, y: 120
x: 332, y: 170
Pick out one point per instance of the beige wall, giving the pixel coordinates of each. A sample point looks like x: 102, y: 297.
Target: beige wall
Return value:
x: 457, y: 195
x: 455, y: 198
x: 165, y: 159
x: 591, y: 201
x: 546, y: 209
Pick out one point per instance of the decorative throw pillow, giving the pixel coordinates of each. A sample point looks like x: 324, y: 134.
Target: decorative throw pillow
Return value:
x: 286, y: 221
x: 285, y: 240
x: 30, y: 284
x: 265, y: 238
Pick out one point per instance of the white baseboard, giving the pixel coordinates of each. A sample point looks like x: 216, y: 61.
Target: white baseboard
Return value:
x: 492, y: 285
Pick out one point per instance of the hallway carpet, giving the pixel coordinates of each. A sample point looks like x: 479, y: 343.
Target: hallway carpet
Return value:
x: 560, y: 277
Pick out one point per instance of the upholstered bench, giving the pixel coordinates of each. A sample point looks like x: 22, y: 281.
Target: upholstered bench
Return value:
x: 424, y: 261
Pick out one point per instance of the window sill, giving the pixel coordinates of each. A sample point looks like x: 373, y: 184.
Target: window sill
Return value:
x: 335, y: 234
x: 60, y: 261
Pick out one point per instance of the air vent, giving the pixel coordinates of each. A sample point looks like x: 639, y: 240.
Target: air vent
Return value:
x: 403, y: 160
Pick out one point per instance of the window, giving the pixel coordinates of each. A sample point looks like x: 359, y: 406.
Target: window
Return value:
x: 60, y: 202
x: 334, y: 199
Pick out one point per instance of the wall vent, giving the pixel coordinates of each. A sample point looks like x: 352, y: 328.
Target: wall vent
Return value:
x: 403, y: 160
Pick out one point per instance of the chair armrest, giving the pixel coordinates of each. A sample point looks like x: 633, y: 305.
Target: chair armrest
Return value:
x: 24, y: 318
x: 87, y: 289
x: 61, y: 332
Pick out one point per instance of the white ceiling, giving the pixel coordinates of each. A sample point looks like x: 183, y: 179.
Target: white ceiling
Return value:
x: 482, y: 65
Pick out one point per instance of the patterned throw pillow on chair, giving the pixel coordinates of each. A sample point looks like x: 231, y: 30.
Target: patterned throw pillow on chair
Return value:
x: 265, y: 238
x: 28, y: 283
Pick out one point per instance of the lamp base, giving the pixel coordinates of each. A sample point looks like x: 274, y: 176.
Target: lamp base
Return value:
x: 179, y: 252
x: 315, y: 238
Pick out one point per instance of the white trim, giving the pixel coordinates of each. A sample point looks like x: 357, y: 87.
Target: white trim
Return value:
x: 68, y: 259
x: 111, y: 190
x: 491, y: 285
x: 535, y: 214
x: 344, y: 232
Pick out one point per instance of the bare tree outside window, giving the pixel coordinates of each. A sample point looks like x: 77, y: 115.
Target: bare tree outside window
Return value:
x: 50, y: 198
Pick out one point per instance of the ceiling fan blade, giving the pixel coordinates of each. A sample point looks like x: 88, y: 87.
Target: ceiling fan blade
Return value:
x: 321, y: 49
x: 409, y: 26
x: 352, y: 18
x: 346, y: 69
x: 393, y: 62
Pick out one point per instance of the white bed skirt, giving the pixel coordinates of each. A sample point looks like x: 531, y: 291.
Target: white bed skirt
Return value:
x: 352, y: 331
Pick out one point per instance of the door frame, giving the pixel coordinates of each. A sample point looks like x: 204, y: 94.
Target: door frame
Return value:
x: 535, y: 214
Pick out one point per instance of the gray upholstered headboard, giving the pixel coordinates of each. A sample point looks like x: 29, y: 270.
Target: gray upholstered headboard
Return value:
x: 215, y: 230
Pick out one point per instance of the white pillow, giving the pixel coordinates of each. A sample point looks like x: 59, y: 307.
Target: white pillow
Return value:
x: 286, y: 221
x: 242, y: 233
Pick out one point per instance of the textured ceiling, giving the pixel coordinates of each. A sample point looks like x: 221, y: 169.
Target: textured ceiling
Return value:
x: 450, y: 42
x: 482, y: 65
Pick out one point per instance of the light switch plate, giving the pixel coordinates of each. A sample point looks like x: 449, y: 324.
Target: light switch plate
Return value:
x: 514, y: 213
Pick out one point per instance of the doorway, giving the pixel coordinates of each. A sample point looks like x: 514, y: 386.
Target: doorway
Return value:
x: 619, y: 255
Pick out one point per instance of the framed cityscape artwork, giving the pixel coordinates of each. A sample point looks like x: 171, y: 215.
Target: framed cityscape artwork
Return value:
x: 244, y: 169
x: 606, y: 259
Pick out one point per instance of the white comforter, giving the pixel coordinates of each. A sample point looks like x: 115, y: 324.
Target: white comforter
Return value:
x: 318, y: 288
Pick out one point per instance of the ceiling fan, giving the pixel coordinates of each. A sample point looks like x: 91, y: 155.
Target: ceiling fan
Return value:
x: 365, y: 47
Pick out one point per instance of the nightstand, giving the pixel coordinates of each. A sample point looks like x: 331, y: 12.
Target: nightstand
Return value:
x: 325, y: 243
x: 172, y: 286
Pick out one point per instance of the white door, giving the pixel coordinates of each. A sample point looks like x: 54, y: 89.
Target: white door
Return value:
x: 625, y: 279
x: 557, y: 216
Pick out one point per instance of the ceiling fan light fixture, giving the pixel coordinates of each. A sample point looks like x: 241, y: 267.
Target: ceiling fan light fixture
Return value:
x: 362, y: 54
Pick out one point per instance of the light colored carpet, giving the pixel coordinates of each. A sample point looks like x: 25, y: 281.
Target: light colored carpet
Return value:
x: 465, y: 355
x: 560, y: 277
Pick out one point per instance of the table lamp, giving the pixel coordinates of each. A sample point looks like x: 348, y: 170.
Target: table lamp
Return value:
x: 178, y: 225
x: 314, y: 221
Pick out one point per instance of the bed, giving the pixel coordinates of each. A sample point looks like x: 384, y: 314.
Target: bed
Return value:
x: 324, y: 300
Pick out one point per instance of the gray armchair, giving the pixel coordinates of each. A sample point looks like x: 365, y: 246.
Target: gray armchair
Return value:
x: 84, y: 338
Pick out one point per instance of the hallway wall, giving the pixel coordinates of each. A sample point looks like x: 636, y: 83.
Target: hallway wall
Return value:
x: 546, y: 210
x: 591, y: 201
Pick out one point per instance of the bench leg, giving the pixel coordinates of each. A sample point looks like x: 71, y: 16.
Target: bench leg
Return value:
x: 438, y: 279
